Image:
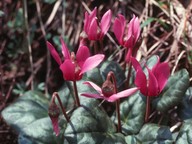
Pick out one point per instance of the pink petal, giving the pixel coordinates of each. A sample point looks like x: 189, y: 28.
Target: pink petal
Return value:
x: 122, y: 94
x: 55, y: 125
x: 54, y: 53
x: 86, y: 22
x: 93, y: 28
x: 135, y: 64
x: 162, y: 73
x: 65, y: 50
x: 105, y: 23
x: 119, y: 27
x: 93, y: 14
x: 92, y: 62
x: 128, y: 56
x: 136, y: 29
x: 88, y: 19
x: 82, y: 54
x: 153, y: 88
x: 68, y: 69
x: 94, y: 86
x: 141, y: 82
x: 89, y: 95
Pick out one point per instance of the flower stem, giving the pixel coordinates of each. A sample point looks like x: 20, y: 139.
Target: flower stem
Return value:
x: 111, y: 74
x: 128, y: 74
x: 76, y: 93
x: 55, y: 94
x: 147, y: 109
x: 118, y: 116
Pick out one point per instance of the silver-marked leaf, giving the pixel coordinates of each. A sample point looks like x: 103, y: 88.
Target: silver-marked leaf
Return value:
x: 185, y: 133
x: 153, y: 134
x: 90, y: 124
x: 174, y: 91
x: 132, y: 112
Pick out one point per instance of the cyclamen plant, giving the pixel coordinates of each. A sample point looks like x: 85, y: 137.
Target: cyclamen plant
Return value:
x: 140, y: 107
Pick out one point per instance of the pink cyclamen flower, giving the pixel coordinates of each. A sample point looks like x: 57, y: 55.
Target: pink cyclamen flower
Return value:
x: 74, y: 66
x: 93, y: 29
x: 157, y: 77
x: 127, y: 39
x: 108, y: 96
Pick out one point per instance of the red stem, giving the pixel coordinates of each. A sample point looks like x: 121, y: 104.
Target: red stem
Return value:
x: 111, y: 74
x: 55, y: 94
x: 147, y: 112
x: 76, y: 93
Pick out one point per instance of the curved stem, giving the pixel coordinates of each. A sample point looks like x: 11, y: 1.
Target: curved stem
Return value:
x: 111, y: 75
x: 76, y: 93
x: 55, y: 94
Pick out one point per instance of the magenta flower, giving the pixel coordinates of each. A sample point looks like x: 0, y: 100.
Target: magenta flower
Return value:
x: 74, y: 66
x: 156, y: 80
x: 106, y: 94
x: 93, y: 29
x: 127, y: 39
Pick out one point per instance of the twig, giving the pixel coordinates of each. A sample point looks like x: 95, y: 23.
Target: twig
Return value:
x: 177, y: 61
x: 55, y: 8
x: 44, y: 36
x: 28, y: 42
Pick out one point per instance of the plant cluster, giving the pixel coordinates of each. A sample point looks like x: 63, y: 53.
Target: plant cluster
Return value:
x: 103, y: 102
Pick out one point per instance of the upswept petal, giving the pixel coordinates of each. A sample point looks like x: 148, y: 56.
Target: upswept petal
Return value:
x: 153, y: 88
x: 105, y: 23
x: 65, y: 50
x: 135, y: 64
x: 88, y: 19
x: 92, y: 62
x: 55, y: 125
x: 94, y: 86
x: 121, y: 94
x: 93, y: 13
x: 86, y: 22
x: 119, y: 27
x: 68, y: 70
x: 136, y: 29
x: 128, y: 56
x: 54, y: 53
x: 92, y: 31
x: 141, y: 81
x: 82, y: 54
x: 162, y: 73
x: 90, y: 95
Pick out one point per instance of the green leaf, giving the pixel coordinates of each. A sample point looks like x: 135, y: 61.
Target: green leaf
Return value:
x: 147, y: 22
x: 153, y: 134
x: 49, y: 1
x: 185, y: 133
x: 90, y: 124
x: 41, y: 132
x: 131, y: 139
x: 108, y: 66
x: 185, y: 109
x: 174, y: 91
x: 132, y: 112
x: 26, y: 109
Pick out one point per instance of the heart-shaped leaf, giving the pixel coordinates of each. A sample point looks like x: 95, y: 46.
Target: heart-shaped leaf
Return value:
x: 185, y: 133
x: 174, y: 91
x: 132, y: 112
x: 26, y: 109
x: 108, y: 66
x: 41, y: 132
x: 153, y: 134
x: 132, y: 139
x: 185, y: 109
x: 90, y: 124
